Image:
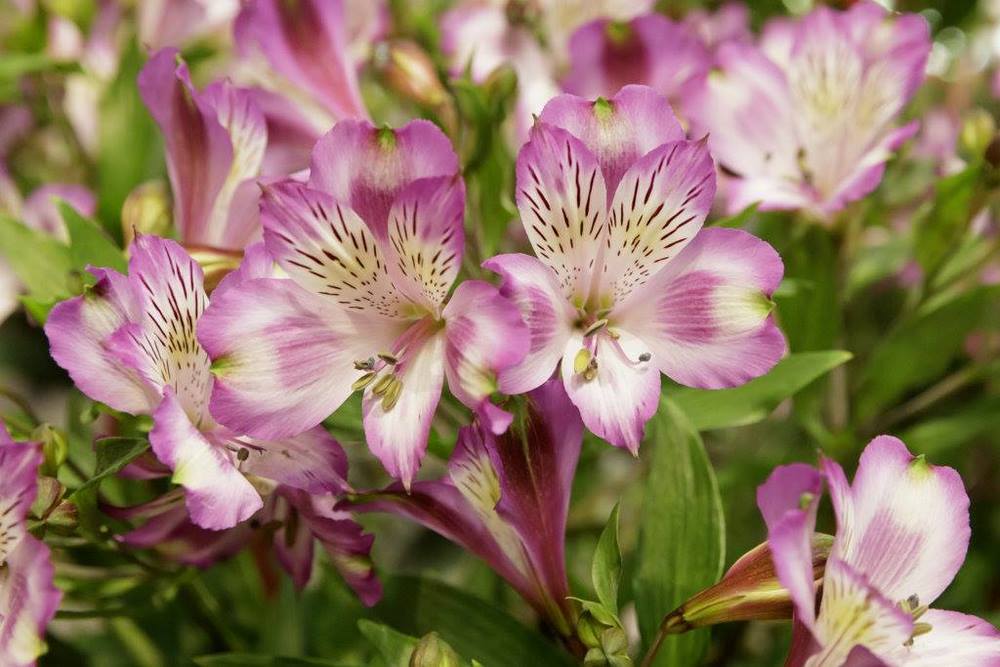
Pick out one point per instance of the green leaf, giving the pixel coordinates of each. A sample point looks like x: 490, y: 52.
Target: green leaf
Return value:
x: 738, y: 220
x: 472, y: 626
x: 921, y: 349
x: 750, y: 403
x: 89, y: 244
x: 935, y: 436
x: 113, y: 454
x: 939, y: 232
x: 606, y: 570
x: 250, y: 660
x: 394, y: 647
x: 681, y: 532
x: 40, y: 261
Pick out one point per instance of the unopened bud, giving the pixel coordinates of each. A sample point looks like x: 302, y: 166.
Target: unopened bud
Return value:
x: 146, y: 210
x: 978, y: 130
x: 432, y: 651
x: 409, y: 71
x: 216, y: 263
x: 501, y: 84
x: 54, y: 448
x: 750, y: 590
x: 589, y: 630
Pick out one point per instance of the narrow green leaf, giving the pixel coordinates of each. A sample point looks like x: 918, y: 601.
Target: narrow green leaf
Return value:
x: 394, y: 647
x: 941, y: 434
x: 89, y: 244
x: 113, y: 454
x: 40, y: 261
x: 606, y: 570
x: 250, y: 660
x: 739, y: 220
x: 754, y: 401
x: 476, y: 629
x: 681, y: 539
x: 939, y: 232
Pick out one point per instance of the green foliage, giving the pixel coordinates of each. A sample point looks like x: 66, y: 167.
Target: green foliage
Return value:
x: 89, y: 244
x: 395, y: 648
x: 41, y: 262
x: 113, y: 454
x: 606, y: 570
x: 682, y: 532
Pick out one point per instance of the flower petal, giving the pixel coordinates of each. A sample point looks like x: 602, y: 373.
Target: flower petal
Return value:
x: 198, y: 147
x: 650, y: 49
x: 561, y: 198
x: 853, y: 613
x: 623, y: 392
x: 28, y: 602
x: 534, y: 289
x: 160, y: 343
x: 707, y: 316
x: 293, y: 542
x: 485, y: 336
x: 658, y: 208
x: 788, y: 501
x: 617, y: 131
x: 218, y: 496
x: 427, y: 238
x: 312, y: 461
x: 19, y: 469
x: 398, y: 436
x: 365, y: 167
x: 326, y: 248
x: 306, y: 42
x: 283, y: 358
x: 954, y: 639
x: 904, y: 524
x: 79, y: 330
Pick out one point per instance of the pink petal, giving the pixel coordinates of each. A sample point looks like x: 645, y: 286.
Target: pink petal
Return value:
x: 617, y: 131
x: 706, y: 317
x: 485, y: 337
x: 561, y: 198
x: 623, y: 394
x: 788, y: 501
x: 366, y: 168
x: 312, y: 461
x: 218, y: 496
x: 19, y: 470
x: 954, y: 639
x: 905, y: 522
x: 257, y: 263
x: 28, y: 602
x: 327, y: 249
x: 534, y: 289
x: 427, y: 238
x: 659, y: 206
x: 293, y: 542
x: 306, y: 42
x: 283, y: 357
x: 853, y: 613
x: 398, y: 436
x: 79, y: 330
x: 650, y: 49
x: 40, y: 210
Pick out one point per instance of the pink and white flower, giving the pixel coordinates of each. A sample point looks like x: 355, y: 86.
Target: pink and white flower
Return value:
x: 129, y: 342
x: 806, y: 119
x: 902, y: 534
x: 505, y: 499
x: 372, y: 245
x: 625, y: 283
x: 28, y: 598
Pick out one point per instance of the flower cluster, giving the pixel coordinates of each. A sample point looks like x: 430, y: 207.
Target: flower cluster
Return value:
x: 322, y: 267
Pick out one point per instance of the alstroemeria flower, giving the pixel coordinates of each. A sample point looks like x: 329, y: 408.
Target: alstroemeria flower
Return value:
x: 806, y: 119
x: 902, y: 534
x: 626, y: 284
x: 650, y: 50
x: 728, y: 23
x: 165, y: 23
x: 129, y: 342
x: 373, y: 244
x: 215, y: 141
x: 291, y: 520
x: 28, y: 598
x: 506, y: 499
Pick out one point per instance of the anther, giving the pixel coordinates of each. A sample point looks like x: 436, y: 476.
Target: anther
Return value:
x: 363, y: 381
x: 365, y: 364
x: 595, y: 327
x: 645, y: 356
x: 243, y: 454
x: 805, y: 500
x: 582, y: 361
x: 391, y: 395
x: 382, y: 385
x: 388, y: 358
x: 591, y: 372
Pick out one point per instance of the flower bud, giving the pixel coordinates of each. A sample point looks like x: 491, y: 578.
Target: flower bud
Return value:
x: 408, y: 71
x: 146, y: 211
x: 432, y: 651
x: 215, y: 262
x: 54, y: 448
x: 750, y: 590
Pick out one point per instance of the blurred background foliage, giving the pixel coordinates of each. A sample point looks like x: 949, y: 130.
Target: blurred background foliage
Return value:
x: 923, y: 365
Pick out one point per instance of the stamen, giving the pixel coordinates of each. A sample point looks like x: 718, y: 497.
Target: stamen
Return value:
x: 591, y: 371
x: 382, y: 385
x: 243, y: 454
x: 805, y: 500
x: 363, y: 381
x: 595, y: 327
x: 388, y: 358
x: 582, y: 361
x: 645, y: 356
x: 391, y: 395
x: 365, y: 364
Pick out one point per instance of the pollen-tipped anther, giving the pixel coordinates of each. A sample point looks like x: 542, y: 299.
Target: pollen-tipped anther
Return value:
x: 363, y: 381
x: 595, y: 327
